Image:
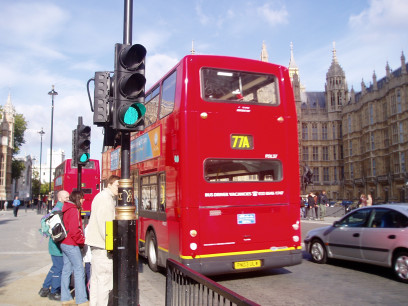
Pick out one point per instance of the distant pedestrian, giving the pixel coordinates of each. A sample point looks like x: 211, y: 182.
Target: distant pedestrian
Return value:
x: 316, y: 197
x: 310, y: 205
x: 71, y: 252
x: 302, y: 208
x: 53, y: 278
x: 16, y: 204
x: 5, y: 205
x: 369, y: 200
x: 323, y: 201
x: 363, y: 200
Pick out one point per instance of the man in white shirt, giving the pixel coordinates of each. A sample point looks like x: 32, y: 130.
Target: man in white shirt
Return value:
x: 103, y: 210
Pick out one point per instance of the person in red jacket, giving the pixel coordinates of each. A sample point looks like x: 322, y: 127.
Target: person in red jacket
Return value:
x: 71, y: 252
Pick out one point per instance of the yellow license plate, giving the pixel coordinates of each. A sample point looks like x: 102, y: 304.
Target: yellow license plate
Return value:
x: 247, y: 264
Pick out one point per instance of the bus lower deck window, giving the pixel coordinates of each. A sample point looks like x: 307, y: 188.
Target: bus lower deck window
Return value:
x: 242, y: 170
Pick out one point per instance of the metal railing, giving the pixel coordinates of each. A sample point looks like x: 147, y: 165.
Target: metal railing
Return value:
x: 185, y: 287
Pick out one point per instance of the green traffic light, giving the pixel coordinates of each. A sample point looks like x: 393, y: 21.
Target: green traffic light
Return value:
x: 84, y: 158
x: 130, y: 115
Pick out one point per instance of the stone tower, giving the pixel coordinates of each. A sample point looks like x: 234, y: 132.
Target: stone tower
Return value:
x: 336, y: 86
x: 7, y: 143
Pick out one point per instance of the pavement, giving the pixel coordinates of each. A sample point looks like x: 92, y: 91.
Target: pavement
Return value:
x: 21, y: 276
x: 23, y: 287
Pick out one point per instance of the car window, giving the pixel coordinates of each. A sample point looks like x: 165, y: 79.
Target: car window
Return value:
x: 357, y: 219
x: 388, y: 218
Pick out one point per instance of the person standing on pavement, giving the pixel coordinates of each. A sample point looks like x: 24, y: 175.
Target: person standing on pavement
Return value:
x: 310, y: 205
x: 5, y: 205
x: 103, y: 210
x: 369, y: 200
x: 53, y: 278
x: 71, y: 252
x: 323, y: 201
x: 16, y: 204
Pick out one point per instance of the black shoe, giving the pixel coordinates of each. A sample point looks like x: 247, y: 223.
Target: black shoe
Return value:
x: 55, y: 296
x: 44, y: 292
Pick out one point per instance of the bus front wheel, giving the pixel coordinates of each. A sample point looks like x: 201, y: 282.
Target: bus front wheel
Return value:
x: 151, y: 248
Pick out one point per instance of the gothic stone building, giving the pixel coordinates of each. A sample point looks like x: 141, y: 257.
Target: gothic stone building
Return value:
x: 6, y: 150
x: 354, y: 142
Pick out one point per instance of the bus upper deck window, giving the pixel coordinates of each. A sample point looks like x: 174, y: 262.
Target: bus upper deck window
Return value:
x: 239, y: 86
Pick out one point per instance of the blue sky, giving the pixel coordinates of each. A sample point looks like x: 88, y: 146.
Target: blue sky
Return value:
x: 64, y: 42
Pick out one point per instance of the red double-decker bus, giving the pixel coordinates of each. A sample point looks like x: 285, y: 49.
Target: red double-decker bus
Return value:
x: 216, y: 172
x: 66, y: 178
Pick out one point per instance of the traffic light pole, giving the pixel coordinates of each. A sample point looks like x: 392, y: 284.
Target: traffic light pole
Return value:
x: 125, y: 241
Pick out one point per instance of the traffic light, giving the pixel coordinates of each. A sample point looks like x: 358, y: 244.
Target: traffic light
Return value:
x: 128, y: 88
x: 83, y: 133
x: 102, y: 100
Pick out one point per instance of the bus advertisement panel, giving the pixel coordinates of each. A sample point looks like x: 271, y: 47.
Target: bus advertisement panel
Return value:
x: 216, y: 170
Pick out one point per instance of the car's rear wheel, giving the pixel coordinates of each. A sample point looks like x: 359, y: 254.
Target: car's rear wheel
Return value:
x: 400, y: 266
x: 318, y: 252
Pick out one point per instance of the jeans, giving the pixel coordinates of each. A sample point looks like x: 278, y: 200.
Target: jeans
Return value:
x: 53, y: 278
x: 73, y: 262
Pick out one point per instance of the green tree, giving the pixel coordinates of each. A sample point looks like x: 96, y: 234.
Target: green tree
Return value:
x: 20, y: 126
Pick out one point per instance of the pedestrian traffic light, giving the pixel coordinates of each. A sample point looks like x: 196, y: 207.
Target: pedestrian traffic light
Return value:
x: 102, y: 101
x: 74, y: 160
x: 83, y: 143
x: 128, y: 88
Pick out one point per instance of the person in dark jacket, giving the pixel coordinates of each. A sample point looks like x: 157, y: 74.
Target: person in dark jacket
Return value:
x: 323, y: 201
x: 71, y: 252
x: 310, y: 205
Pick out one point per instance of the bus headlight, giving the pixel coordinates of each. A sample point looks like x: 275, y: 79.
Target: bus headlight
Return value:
x: 193, y: 233
x: 295, y: 226
x: 193, y: 246
x: 296, y: 238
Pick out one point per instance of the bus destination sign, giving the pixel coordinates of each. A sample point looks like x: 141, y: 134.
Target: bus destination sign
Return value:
x: 242, y: 142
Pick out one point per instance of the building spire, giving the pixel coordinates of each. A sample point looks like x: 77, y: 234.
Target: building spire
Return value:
x: 403, y: 65
x: 292, y: 63
x: 192, y: 47
x: 334, y: 52
x: 264, y: 53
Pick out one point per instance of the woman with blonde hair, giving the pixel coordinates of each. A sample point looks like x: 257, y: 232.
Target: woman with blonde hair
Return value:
x: 369, y: 200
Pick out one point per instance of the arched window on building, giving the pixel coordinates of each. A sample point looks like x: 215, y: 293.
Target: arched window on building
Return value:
x: 305, y: 133
x: 314, y: 131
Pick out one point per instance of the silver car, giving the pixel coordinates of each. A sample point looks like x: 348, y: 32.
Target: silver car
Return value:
x: 376, y: 235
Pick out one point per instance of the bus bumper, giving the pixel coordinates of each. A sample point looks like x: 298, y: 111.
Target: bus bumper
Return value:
x: 225, y: 264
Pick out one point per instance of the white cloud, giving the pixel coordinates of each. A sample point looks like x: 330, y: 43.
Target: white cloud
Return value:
x: 156, y: 66
x: 32, y: 26
x: 382, y: 17
x: 203, y: 18
x: 273, y: 16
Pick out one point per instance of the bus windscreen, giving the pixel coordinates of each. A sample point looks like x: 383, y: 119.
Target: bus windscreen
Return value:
x: 238, y: 86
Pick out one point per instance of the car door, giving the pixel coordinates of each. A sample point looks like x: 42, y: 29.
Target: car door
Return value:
x: 344, y: 241
x: 381, y: 235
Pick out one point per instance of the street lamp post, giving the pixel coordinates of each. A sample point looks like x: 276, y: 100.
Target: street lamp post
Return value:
x: 52, y: 93
x: 39, y: 190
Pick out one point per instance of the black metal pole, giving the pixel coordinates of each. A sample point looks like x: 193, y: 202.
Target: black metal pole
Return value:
x: 79, y: 178
x: 52, y: 93
x: 125, y: 259
x: 39, y: 204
